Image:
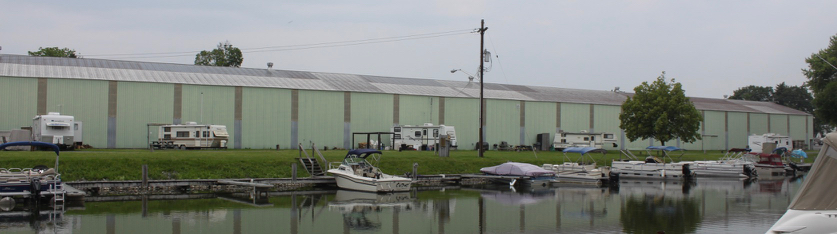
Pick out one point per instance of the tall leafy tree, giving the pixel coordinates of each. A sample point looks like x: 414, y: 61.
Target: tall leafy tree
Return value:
x: 753, y: 93
x: 822, y: 76
x: 660, y: 110
x: 226, y: 55
x: 54, y: 52
x: 796, y: 97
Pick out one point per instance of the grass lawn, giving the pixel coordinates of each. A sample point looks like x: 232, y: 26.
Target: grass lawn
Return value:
x: 126, y: 164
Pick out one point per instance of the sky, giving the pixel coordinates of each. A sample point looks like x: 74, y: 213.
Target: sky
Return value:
x: 711, y: 47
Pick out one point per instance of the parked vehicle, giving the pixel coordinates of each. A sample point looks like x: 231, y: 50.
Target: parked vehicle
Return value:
x: 61, y: 130
x: 422, y: 137
x: 598, y: 140
x: 191, y: 136
x: 756, y: 142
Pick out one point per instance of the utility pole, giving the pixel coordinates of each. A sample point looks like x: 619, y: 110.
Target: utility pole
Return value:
x: 482, y: 71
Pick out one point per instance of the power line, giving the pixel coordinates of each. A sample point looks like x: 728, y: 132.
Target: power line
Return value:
x: 294, y: 47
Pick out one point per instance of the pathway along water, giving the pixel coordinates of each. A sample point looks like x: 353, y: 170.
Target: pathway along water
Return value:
x: 704, y: 206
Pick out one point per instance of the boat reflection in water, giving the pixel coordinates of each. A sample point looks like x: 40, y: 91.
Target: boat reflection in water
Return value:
x: 356, y: 205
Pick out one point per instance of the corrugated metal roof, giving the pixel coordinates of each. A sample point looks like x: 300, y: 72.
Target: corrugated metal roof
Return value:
x: 100, y: 69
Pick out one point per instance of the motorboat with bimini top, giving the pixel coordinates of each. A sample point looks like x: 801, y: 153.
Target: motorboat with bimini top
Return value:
x: 37, y: 182
x: 356, y: 173
x: 583, y: 170
x: 653, y: 167
x: 519, y: 174
x: 814, y: 208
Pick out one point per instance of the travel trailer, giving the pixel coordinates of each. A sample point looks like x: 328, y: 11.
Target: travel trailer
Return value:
x: 421, y: 137
x: 756, y: 142
x: 598, y: 140
x: 192, y: 136
x: 57, y: 129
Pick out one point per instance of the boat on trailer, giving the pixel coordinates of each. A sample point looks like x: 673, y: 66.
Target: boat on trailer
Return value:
x: 814, y: 208
x: 583, y: 170
x: 653, y: 167
x: 356, y: 173
x: 36, y: 182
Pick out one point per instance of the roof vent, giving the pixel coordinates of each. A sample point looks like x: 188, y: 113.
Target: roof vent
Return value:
x: 269, y: 65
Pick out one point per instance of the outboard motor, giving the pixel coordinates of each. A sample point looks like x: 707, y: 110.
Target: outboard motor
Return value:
x: 749, y: 172
x: 36, y: 188
x: 687, y: 172
x: 613, y: 177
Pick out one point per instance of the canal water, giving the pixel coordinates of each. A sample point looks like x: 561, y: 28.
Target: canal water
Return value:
x: 702, y: 206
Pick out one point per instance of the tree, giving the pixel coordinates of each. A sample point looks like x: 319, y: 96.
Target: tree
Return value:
x: 821, y: 75
x: 662, y: 111
x: 753, y: 93
x: 224, y: 56
x: 54, y: 52
x: 796, y: 97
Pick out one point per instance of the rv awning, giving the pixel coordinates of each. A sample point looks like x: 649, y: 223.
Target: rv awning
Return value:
x: 58, y: 124
x: 221, y: 133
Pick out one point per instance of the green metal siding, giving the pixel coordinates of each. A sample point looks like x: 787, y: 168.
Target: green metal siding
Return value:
x: 575, y: 117
x: 758, y: 124
x: 371, y: 113
x: 418, y: 110
x: 713, y: 127
x: 87, y: 101
x: 737, y: 122
x: 218, y: 107
x: 540, y: 118
x: 137, y: 105
x: 779, y: 124
x: 19, y: 100
x: 797, y: 128
x: 502, y: 122
x: 265, y: 118
x: 321, y: 118
x: 463, y: 115
x: 606, y: 119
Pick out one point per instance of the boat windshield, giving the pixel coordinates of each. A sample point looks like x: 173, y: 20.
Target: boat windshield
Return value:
x: 355, y: 161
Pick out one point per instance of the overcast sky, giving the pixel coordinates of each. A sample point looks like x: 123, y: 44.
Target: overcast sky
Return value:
x: 712, y: 47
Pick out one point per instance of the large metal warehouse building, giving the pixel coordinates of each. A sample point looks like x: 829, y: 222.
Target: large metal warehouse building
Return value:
x: 263, y: 108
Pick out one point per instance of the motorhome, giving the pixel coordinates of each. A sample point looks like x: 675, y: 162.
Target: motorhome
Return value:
x: 756, y: 142
x: 597, y: 140
x: 422, y: 137
x: 56, y: 129
x: 192, y: 136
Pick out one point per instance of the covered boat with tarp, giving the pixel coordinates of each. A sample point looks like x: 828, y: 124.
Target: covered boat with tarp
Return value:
x: 515, y: 173
x: 38, y: 181
x: 814, y: 208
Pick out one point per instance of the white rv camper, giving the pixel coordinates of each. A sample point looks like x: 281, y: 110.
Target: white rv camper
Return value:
x: 756, y: 142
x: 192, y: 136
x: 427, y: 135
x: 56, y: 129
x: 597, y: 140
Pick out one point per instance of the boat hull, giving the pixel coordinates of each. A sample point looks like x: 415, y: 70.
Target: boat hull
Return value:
x: 359, y: 183
x: 651, y: 171
x: 806, y: 221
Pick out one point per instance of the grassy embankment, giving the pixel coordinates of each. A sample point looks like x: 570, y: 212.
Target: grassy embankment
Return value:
x: 102, y: 164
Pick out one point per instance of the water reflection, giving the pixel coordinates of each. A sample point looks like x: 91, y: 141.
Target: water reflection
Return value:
x: 702, y: 206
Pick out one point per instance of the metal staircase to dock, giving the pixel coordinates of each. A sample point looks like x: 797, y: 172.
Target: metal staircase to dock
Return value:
x: 312, y: 165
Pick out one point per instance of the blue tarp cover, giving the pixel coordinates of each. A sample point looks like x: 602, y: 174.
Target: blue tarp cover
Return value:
x: 34, y: 143
x: 666, y: 148
x: 583, y: 150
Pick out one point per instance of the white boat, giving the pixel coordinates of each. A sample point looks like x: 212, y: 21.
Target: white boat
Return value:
x: 814, y: 209
x: 724, y: 168
x: 39, y: 181
x: 519, y: 174
x: 653, y: 167
x: 356, y: 173
x: 583, y: 170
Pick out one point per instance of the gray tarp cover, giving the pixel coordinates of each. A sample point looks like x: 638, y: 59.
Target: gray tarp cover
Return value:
x: 517, y: 169
x: 819, y: 192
